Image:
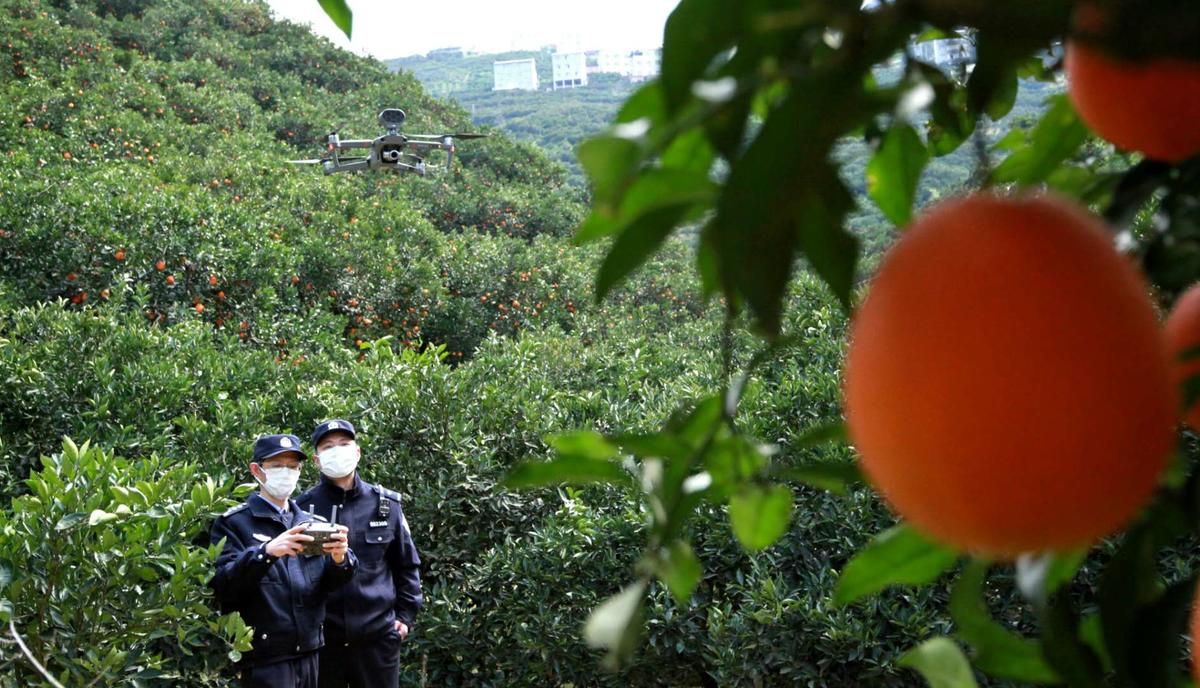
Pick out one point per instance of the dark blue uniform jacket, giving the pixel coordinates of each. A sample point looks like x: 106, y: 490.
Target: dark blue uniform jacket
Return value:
x: 282, y: 598
x: 388, y: 583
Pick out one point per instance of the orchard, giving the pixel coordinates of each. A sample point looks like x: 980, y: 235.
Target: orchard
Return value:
x: 851, y: 366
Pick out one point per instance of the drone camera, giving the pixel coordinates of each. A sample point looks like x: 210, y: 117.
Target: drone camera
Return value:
x: 392, y: 118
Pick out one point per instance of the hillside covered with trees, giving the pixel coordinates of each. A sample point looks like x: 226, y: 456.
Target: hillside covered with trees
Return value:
x: 170, y: 288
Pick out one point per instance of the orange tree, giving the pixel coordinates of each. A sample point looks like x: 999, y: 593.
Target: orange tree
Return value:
x: 736, y: 138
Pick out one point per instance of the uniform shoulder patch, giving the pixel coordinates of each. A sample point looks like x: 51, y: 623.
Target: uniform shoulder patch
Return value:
x: 390, y: 494
x: 234, y: 509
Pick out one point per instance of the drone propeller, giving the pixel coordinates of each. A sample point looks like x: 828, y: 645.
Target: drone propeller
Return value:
x: 442, y: 136
x: 306, y: 162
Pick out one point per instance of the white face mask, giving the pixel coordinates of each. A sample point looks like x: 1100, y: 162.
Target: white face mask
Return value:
x: 339, y: 462
x: 281, y: 481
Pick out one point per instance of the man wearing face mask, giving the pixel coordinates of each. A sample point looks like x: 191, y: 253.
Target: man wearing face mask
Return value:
x: 370, y: 617
x: 261, y: 573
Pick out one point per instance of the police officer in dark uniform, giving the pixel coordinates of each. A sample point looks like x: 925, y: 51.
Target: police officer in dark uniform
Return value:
x: 367, y: 619
x: 261, y: 574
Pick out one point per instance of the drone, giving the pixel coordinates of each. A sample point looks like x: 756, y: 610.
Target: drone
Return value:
x: 392, y: 152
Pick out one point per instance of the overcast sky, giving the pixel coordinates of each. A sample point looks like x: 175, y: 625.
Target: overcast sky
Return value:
x: 396, y: 28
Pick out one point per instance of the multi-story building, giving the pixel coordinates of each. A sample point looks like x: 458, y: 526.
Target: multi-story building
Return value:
x: 945, y: 52
x: 637, y: 65
x: 569, y: 70
x: 513, y: 75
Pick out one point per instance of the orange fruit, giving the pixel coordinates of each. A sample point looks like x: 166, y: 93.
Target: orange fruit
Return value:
x: 212, y: 280
x: 1194, y: 628
x: 170, y: 279
x: 1149, y: 107
x: 160, y: 265
x: 119, y: 255
x: 1006, y: 381
x: 1182, y: 330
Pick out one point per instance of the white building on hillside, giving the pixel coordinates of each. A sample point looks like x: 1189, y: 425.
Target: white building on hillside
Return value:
x: 569, y: 69
x: 514, y: 75
x: 637, y: 65
x: 945, y: 52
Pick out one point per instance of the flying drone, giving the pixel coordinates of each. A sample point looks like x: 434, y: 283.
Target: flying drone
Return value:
x: 392, y: 152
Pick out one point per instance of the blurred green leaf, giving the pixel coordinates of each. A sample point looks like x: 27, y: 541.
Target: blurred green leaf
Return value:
x: 894, y: 172
x: 759, y: 514
x: 695, y: 32
x: 680, y: 569
x: 998, y: 651
x: 583, y: 457
x: 838, y: 478
x: 1056, y: 137
x: 897, y: 556
x: 1062, y: 645
x: 610, y: 162
x: 784, y: 197
x: 614, y: 626
x: 339, y: 13
x: 941, y: 662
x: 1157, y: 635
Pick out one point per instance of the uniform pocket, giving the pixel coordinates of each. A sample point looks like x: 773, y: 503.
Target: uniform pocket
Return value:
x: 375, y: 544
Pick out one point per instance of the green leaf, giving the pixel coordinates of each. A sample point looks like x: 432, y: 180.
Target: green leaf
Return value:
x: 695, y: 32
x: 941, y: 662
x: 759, y: 514
x: 652, y: 190
x: 897, y: 556
x: 339, y: 13
x: 664, y: 445
x: 894, y: 172
x: 992, y: 87
x: 100, y: 516
x: 784, y: 197
x: 690, y: 151
x: 680, y: 569
x: 998, y: 651
x: 609, y: 161
x: 70, y: 521
x: 584, y: 444
x: 614, y: 626
x: 641, y: 236
x: 565, y: 469
x: 1055, y: 138
x: 838, y: 478
x: 950, y: 122
x: 583, y: 457
x: 1128, y: 579
x: 1158, y: 631
x: 1062, y: 645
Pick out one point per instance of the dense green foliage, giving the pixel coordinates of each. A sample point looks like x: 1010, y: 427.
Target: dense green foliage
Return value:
x: 742, y: 133
x: 450, y: 318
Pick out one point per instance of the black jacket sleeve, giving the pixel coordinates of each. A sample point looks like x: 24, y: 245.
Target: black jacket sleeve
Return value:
x: 240, y: 566
x: 337, y: 575
x: 405, y: 564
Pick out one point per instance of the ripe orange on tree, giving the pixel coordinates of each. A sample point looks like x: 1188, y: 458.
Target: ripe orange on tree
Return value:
x: 1183, y: 341
x: 1150, y: 107
x: 1194, y: 629
x: 119, y: 255
x: 1006, y: 382
x: 170, y: 279
x: 160, y: 265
